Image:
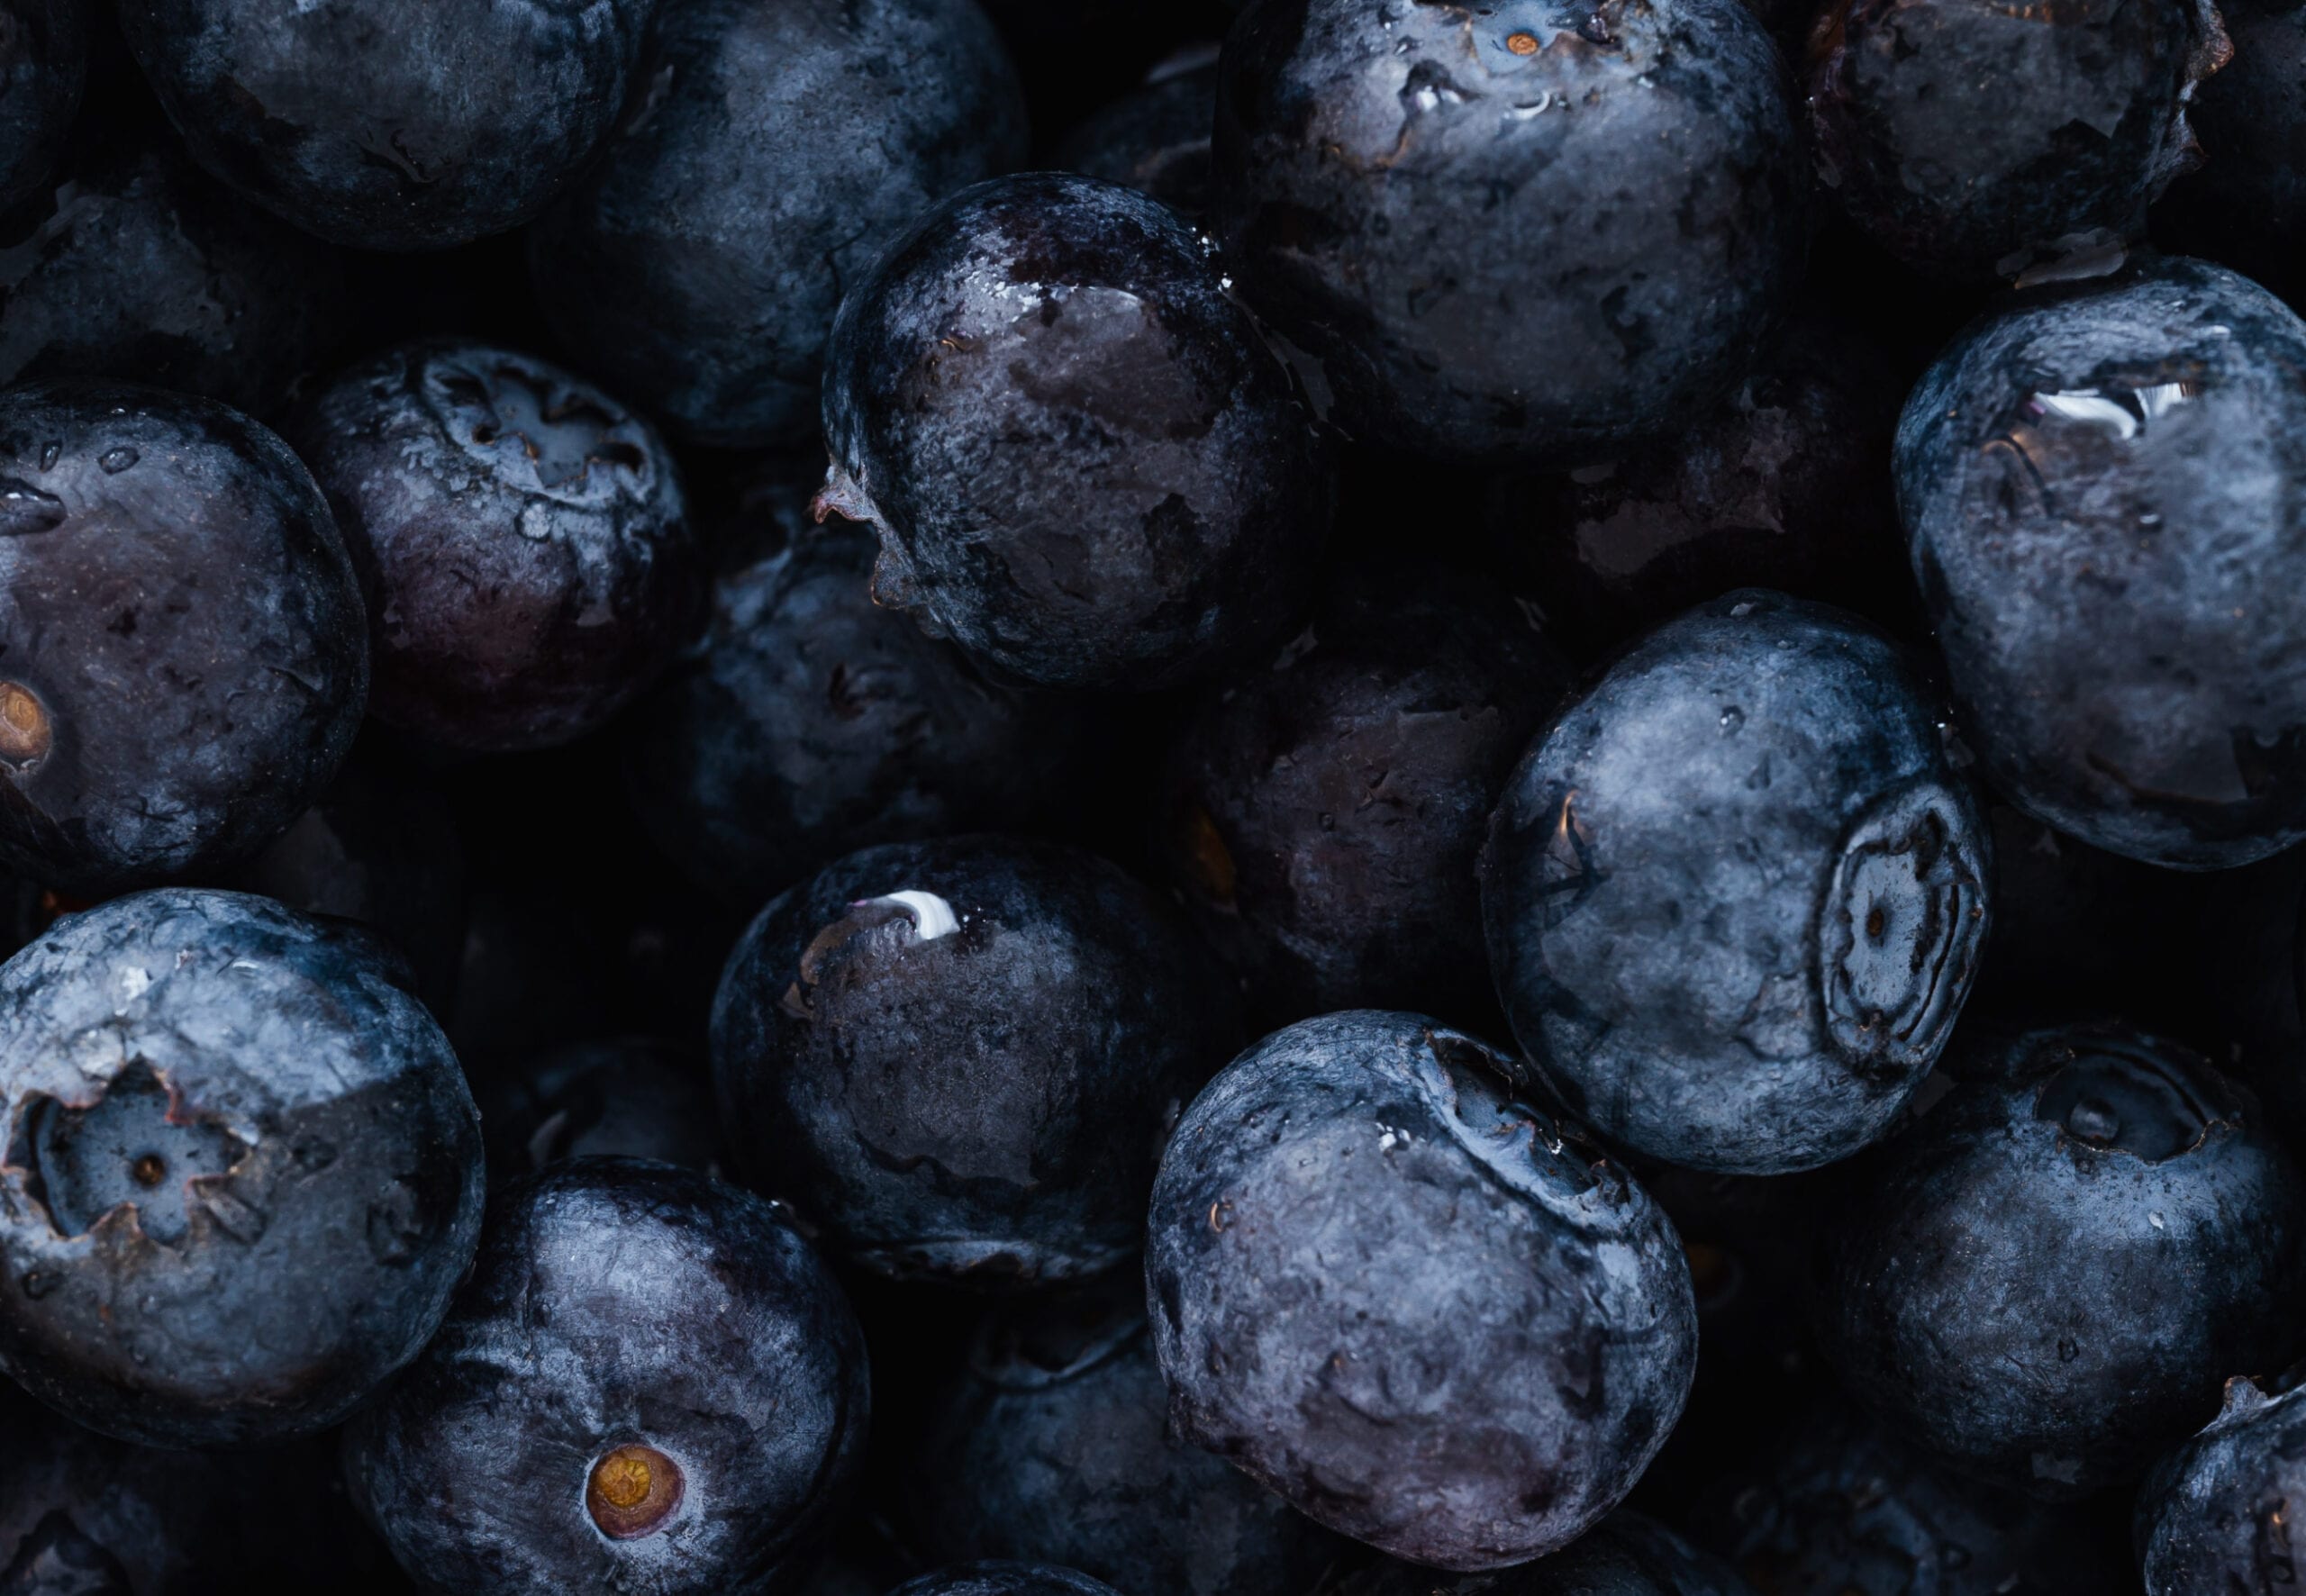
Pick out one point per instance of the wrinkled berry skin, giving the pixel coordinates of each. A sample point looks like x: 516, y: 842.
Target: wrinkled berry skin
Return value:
x: 1004, y: 1579
x: 1975, y: 139
x: 619, y: 1302
x: 384, y: 126
x: 1054, y: 1446
x: 629, y: 1097
x: 184, y: 656
x: 1513, y: 228
x: 1155, y: 139
x: 137, y: 266
x: 2213, y: 1516
x: 1625, y: 1554
x: 782, y: 144
x: 959, y: 1057
x: 1324, y: 812
x: 1085, y: 462
x: 2100, y: 493
x: 2249, y: 194
x: 43, y: 66
x: 816, y: 723
x: 1735, y: 896
x: 242, y: 1172
x: 2047, y: 1278
x: 1384, y: 1287
x: 523, y: 539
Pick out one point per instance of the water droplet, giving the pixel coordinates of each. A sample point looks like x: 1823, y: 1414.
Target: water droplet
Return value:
x: 2153, y: 1220
x: 1732, y: 719
x: 116, y: 460
x: 48, y: 455
x: 39, y: 1283
x: 2067, y: 1351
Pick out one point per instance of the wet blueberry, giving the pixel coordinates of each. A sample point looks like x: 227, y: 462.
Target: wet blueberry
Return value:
x: 1511, y: 229
x: 1155, y: 139
x: 1085, y: 462
x: 1735, y: 896
x: 2099, y: 487
x: 651, y: 1384
x: 1004, y: 1579
x: 386, y: 126
x: 1625, y: 1554
x: 1324, y: 810
x: 959, y: 1056
x: 523, y: 539
x: 777, y: 146
x: 1425, y: 1313
x: 242, y: 1175
x: 183, y: 658
x: 2045, y: 1280
x: 43, y: 66
x: 629, y: 1097
x: 2213, y: 1518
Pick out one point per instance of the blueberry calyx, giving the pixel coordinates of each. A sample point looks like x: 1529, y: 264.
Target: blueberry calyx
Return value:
x: 2111, y: 1098
x: 26, y: 732
x: 632, y: 1490
x: 133, y: 1151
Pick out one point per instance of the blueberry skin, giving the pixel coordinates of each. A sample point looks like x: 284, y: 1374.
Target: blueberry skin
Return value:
x: 1004, y: 1579
x: 1424, y: 1313
x: 2044, y: 1279
x: 381, y: 126
x: 1324, y: 813
x: 780, y: 145
x: 959, y: 1057
x: 1625, y: 1554
x: 1514, y: 228
x: 1735, y: 896
x: 1975, y: 142
x: 43, y: 67
x: 619, y: 1302
x: 2212, y: 1516
x: 242, y: 1176
x: 2100, y: 491
x: 179, y: 696
x: 628, y: 1097
x: 1156, y: 138
x: 523, y: 539
x: 1054, y: 1446
x: 1085, y: 462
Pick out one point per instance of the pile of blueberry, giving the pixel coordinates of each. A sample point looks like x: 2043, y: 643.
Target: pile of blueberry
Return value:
x: 1087, y: 798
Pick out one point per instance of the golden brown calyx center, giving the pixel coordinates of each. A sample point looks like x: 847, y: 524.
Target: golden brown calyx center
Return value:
x: 632, y: 1491
x: 26, y: 733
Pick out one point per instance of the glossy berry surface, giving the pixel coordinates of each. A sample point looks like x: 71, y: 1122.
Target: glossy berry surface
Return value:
x: 1004, y: 1579
x: 651, y: 1384
x: 780, y: 145
x: 2044, y: 1279
x: 43, y: 67
x: 2214, y: 1516
x: 959, y: 1057
x: 387, y: 127
x: 1384, y: 1287
x: 243, y: 1171
x: 1086, y: 464
x: 1735, y: 894
x: 1625, y: 1554
x: 170, y: 698
x: 523, y: 539
x: 1512, y: 229
x: 2099, y: 487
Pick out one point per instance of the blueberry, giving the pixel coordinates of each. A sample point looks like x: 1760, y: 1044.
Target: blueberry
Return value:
x: 1323, y: 814
x: 186, y: 660
x: 2097, y: 485
x: 1509, y: 229
x: 1085, y: 462
x: 1156, y: 138
x: 629, y: 1097
x: 651, y: 1384
x: 2213, y: 1516
x: 1426, y: 1314
x: 385, y: 126
x: 44, y: 65
x: 959, y: 1057
x: 242, y: 1172
x: 137, y: 266
x: 1735, y: 894
x: 1625, y: 1554
x: 1004, y: 1579
x: 1977, y: 141
x: 778, y: 146
x: 2249, y: 196
x: 1053, y: 1446
x: 2044, y: 1279
x: 523, y: 539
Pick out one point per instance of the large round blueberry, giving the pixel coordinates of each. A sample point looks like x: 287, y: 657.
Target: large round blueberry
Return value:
x: 242, y: 1173
x: 2046, y: 1279
x: 183, y: 657
x: 1425, y: 1313
x: 1513, y: 228
x: 44, y: 65
x: 1085, y: 462
x: 782, y: 145
x: 1004, y: 1579
x: 1324, y: 813
x: 1978, y: 141
x: 523, y: 540
x: 390, y: 126
x: 2100, y: 489
x: 959, y: 1057
x: 2213, y: 1518
x: 1625, y: 1554
x: 1735, y: 894
x: 1054, y: 1446
x: 649, y: 1385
